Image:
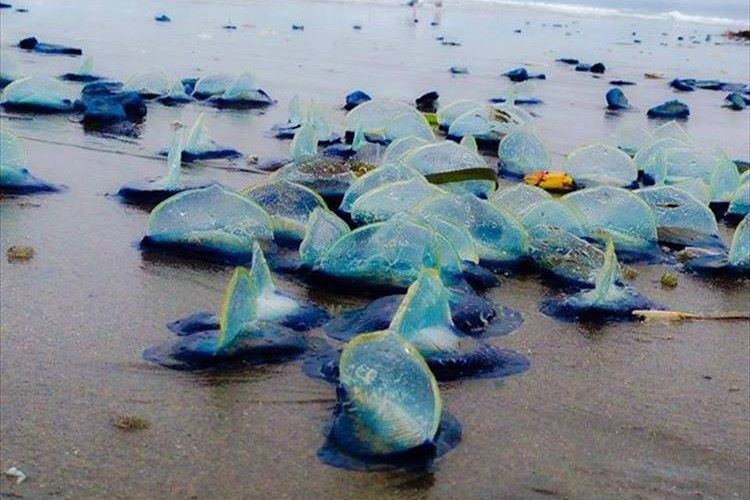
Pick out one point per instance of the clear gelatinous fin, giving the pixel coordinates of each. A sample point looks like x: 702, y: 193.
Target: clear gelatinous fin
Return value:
x: 607, y: 277
x: 174, y: 159
x: 469, y: 142
x: 260, y: 274
x: 324, y: 228
x: 87, y: 66
x: 424, y: 306
x: 305, y: 143
x: 236, y: 309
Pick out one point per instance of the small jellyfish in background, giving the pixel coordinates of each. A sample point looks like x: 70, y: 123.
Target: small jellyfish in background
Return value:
x: 609, y: 300
x: 15, y: 178
x: 257, y: 324
x: 389, y: 412
x: 85, y: 73
x: 200, y: 146
x: 155, y: 191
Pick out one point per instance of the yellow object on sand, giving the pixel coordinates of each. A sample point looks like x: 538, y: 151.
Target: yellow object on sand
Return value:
x: 550, y: 180
x: 431, y: 119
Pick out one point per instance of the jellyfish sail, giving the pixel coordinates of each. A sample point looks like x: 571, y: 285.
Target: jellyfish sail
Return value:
x: 212, y: 85
x: 739, y: 206
x: 557, y: 214
x: 15, y: 177
x: 521, y: 152
x: 564, y: 256
x: 38, y: 94
x: 681, y: 219
x: 520, y: 198
x: 256, y: 325
x: 601, y: 164
x: 323, y: 229
x: 84, y: 74
x: 455, y: 167
x: 289, y: 205
x: 200, y: 146
x: 608, y: 300
x: 242, y: 92
x: 446, y: 115
x: 630, y: 139
x: 389, y: 411
x: 393, y: 198
x: 176, y: 95
x: 211, y: 222
x: 154, y: 191
x: 263, y: 299
x: 375, y: 116
x: 409, y: 124
x: 385, y: 174
x: 424, y: 319
x: 615, y: 213
x: 149, y: 85
x: 9, y: 70
x: 734, y: 263
x: 305, y: 143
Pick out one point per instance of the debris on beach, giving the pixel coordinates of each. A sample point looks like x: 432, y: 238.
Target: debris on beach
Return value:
x: 616, y: 99
x: 131, y: 423
x: 16, y: 474
x: 18, y: 253
x: 522, y: 74
x: 668, y: 280
x: 162, y: 18
x: 459, y: 70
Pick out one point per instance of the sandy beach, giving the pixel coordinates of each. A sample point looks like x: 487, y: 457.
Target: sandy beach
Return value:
x: 633, y: 410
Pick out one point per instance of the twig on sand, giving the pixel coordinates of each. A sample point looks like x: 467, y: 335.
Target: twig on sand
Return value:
x: 647, y: 314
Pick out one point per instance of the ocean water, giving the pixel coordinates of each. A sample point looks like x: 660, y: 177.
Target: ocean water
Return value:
x: 720, y: 12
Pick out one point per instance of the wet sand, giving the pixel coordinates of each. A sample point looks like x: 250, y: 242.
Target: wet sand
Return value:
x: 632, y: 410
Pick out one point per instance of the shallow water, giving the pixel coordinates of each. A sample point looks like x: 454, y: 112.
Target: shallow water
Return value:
x: 630, y: 410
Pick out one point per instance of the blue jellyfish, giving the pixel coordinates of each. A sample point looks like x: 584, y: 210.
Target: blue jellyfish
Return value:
x: 739, y: 206
x: 250, y: 328
x: 389, y: 412
x: 155, y: 191
x: 84, y: 74
x: 734, y: 263
x: 15, y: 178
x: 200, y: 146
x: 242, y: 93
x: 148, y: 85
x: 38, y: 94
x: 607, y: 301
x: 522, y: 152
x: 210, y: 222
x: 601, y: 164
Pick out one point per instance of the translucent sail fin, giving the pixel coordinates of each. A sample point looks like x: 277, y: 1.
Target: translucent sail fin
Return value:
x: 359, y: 138
x: 323, y: 229
x: 260, y: 273
x: 177, y: 91
x: 607, y: 277
x: 521, y: 152
x: 199, y: 139
x: 600, y: 164
x: 12, y: 154
x: 87, y: 67
x: 40, y: 91
x: 174, y: 159
x: 520, y: 198
x: 469, y: 142
x: 424, y: 306
x: 671, y: 130
x: 305, y: 143
x: 399, y: 148
x: 392, y: 403
x: 409, y: 124
x: 739, y: 252
x: 236, y: 309
x: 389, y: 199
x: 153, y: 83
x: 296, y: 115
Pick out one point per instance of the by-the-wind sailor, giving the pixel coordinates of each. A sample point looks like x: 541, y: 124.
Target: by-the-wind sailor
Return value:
x: 240, y: 336
x: 31, y: 43
x: 564, y: 256
x: 210, y: 222
x: 149, y: 85
x: 739, y: 206
x: 323, y: 229
x: 157, y: 190
x: 200, y: 146
x: 448, y: 114
x: 409, y: 124
x: 671, y: 130
x: 389, y: 412
x: 38, y: 94
x: 607, y: 301
x: 681, y: 219
x: 15, y: 178
x: 373, y: 117
x: 616, y: 213
x: 600, y: 164
x: 271, y: 305
x: 519, y: 198
x: 289, y: 206
x: 385, y: 174
x: 243, y: 92
x: 176, y: 95
x: 212, y: 85
x: 734, y: 263
x: 84, y: 74
x: 9, y: 69
x: 557, y: 214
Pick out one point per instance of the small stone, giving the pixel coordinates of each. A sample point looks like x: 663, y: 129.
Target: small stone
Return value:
x: 20, y: 253
x: 668, y: 280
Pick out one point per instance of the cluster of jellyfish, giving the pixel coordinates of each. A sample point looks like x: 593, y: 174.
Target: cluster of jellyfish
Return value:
x: 390, y: 207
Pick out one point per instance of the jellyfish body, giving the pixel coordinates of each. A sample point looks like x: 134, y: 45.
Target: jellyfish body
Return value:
x: 15, y: 177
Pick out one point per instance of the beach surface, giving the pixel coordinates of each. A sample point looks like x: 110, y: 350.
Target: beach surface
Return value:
x: 631, y: 410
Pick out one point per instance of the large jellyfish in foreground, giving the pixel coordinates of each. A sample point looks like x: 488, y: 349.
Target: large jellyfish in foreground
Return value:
x: 158, y: 190
x: 607, y: 301
x: 734, y: 263
x: 15, y: 178
x: 209, y: 222
x: 389, y: 412
x: 257, y: 324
